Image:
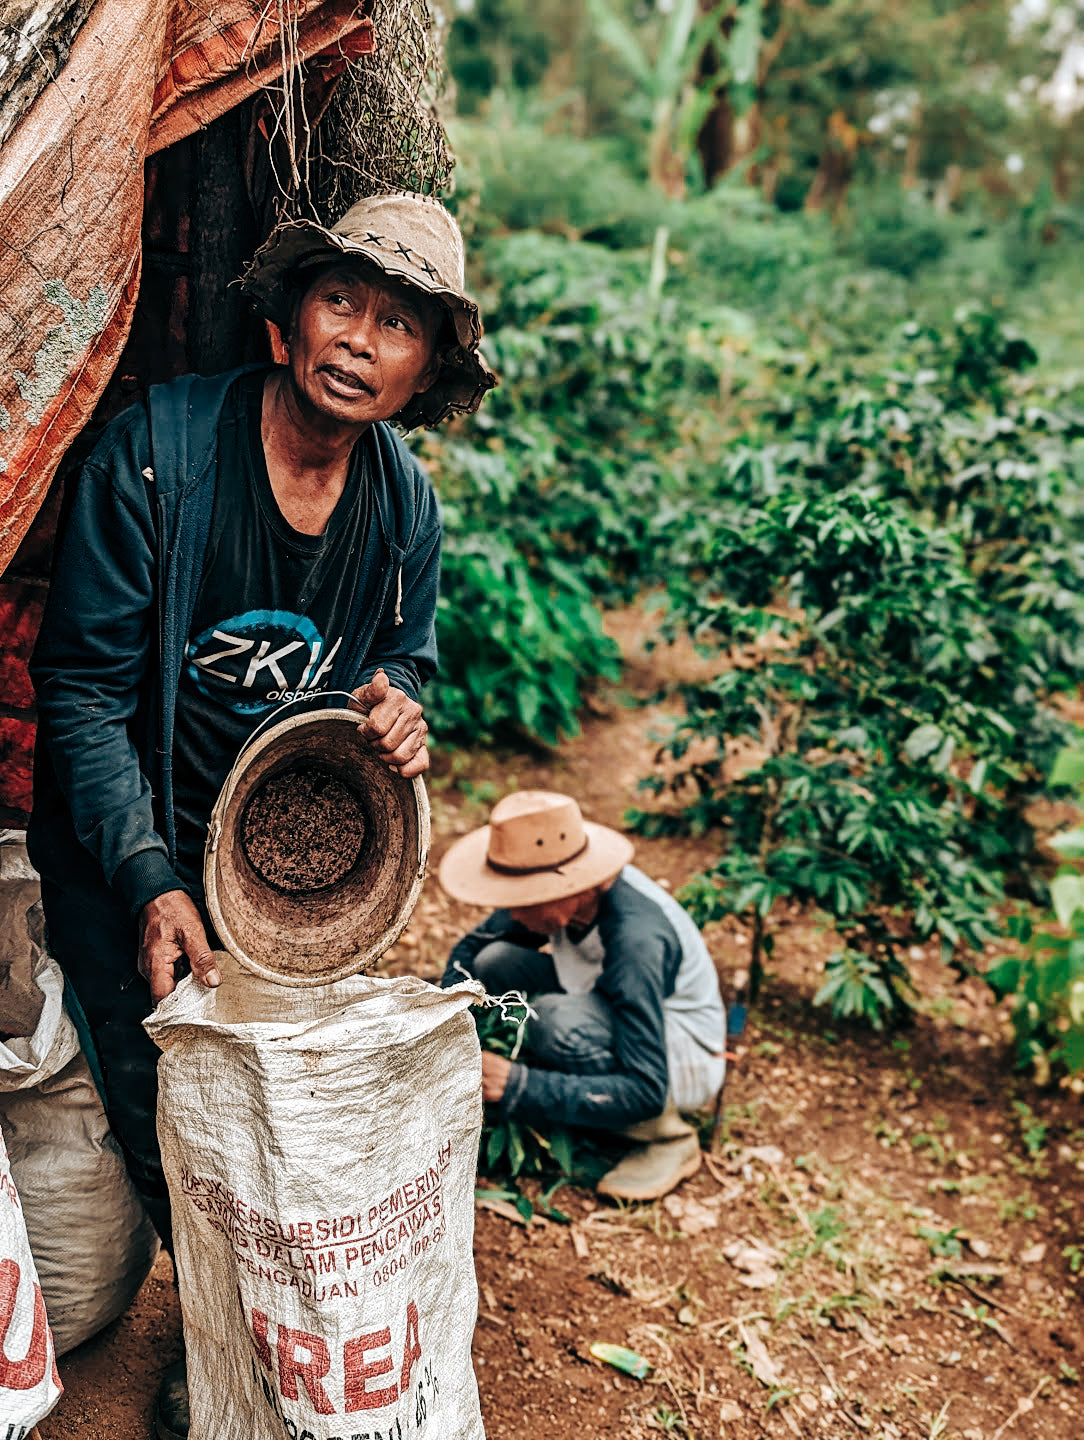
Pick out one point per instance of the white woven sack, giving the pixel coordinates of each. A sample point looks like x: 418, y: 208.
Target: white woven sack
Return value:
x: 29, y: 1383
x: 320, y: 1147
x: 93, y: 1244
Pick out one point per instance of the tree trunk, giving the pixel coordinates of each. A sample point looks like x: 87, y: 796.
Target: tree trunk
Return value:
x: 836, y: 168
x: 35, y: 41
x: 913, y: 156
x: 200, y: 229
x: 1063, y: 170
x: 715, y: 140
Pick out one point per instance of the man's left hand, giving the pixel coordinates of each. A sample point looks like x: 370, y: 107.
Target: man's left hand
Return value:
x: 495, y: 1072
x: 394, y: 726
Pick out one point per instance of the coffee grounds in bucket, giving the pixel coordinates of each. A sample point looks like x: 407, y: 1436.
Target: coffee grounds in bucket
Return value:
x: 302, y: 830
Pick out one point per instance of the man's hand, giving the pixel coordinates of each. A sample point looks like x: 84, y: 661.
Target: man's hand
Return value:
x: 495, y: 1072
x: 394, y: 726
x: 169, y: 930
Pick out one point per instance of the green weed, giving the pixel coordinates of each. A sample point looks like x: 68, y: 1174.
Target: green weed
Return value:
x: 670, y: 1422
x: 887, y: 1133
x: 777, y: 1395
x: 829, y: 1228
x: 1018, y: 1207
x: 942, y: 1243
x: 931, y: 1145
x: 980, y: 1315
x: 968, y: 1185
x: 1033, y: 1131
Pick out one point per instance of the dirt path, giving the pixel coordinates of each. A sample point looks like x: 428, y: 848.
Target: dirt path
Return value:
x: 890, y: 1243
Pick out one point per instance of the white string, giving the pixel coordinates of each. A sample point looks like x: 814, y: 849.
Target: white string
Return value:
x: 510, y: 1001
x: 505, y: 1003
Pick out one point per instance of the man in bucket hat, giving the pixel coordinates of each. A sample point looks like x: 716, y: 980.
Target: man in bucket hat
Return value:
x: 628, y: 1026
x: 242, y: 542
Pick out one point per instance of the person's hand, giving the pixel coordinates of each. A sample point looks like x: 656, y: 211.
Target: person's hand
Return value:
x: 171, y: 930
x: 495, y: 1072
x: 394, y: 726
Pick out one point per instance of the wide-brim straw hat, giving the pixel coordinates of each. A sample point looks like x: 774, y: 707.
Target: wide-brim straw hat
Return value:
x: 536, y: 848
x: 412, y: 238
x: 374, y: 855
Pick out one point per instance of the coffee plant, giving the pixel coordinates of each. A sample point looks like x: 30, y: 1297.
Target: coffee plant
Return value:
x: 568, y: 489
x: 891, y: 612
x: 508, y: 1148
x: 1045, y: 976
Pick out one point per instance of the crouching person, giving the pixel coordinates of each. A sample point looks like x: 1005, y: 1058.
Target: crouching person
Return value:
x: 629, y: 1026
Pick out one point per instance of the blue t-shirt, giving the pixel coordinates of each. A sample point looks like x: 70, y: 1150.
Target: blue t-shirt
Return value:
x: 270, y: 614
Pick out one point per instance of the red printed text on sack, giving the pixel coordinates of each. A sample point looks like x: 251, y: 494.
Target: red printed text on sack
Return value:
x: 325, y: 1257
x: 376, y: 1367
x: 28, y: 1372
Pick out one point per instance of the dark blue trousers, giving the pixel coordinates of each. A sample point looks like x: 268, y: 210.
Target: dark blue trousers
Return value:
x: 573, y: 1033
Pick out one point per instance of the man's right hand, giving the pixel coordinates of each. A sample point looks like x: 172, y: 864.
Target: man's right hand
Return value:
x: 393, y: 725
x: 495, y: 1072
x: 170, y: 930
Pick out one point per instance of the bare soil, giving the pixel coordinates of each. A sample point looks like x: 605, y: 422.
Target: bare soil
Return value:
x: 889, y: 1241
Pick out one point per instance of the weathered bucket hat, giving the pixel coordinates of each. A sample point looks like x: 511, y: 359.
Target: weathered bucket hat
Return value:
x: 315, y: 852
x: 536, y: 848
x: 412, y: 238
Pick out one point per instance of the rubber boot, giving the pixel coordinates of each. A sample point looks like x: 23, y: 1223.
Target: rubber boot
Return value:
x: 669, y: 1153
x: 171, y: 1409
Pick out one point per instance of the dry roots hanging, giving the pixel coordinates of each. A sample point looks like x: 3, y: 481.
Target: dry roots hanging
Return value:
x: 381, y: 130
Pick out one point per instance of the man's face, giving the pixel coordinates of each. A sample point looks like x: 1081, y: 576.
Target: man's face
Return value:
x: 554, y: 915
x: 361, y: 344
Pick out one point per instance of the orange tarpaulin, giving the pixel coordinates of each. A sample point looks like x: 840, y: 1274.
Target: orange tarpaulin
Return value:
x: 141, y: 75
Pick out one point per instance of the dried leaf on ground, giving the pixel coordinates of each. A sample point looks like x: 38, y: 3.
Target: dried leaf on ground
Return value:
x: 756, y: 1260
x: 693, y: 1216
x: 763, y: 1366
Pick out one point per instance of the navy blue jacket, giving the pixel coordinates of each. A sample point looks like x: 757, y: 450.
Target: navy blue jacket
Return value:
x: 657, y: 977
x: 108, y: 658
x: 641, y: 966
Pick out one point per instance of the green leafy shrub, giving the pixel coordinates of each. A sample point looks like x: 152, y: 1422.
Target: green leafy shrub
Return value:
x: 1046, y: 976
x: 571, y: 485
x: 891, y: 610
x: 519, y: 642
x: 897, y: 230
x: 1039, y: 233
x: 608, y: 426
x: 846, y: 624
x: 943, y: 431
x: 515, y: 176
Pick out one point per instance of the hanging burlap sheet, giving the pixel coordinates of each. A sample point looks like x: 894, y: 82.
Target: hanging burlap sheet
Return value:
x: 140, y: 75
